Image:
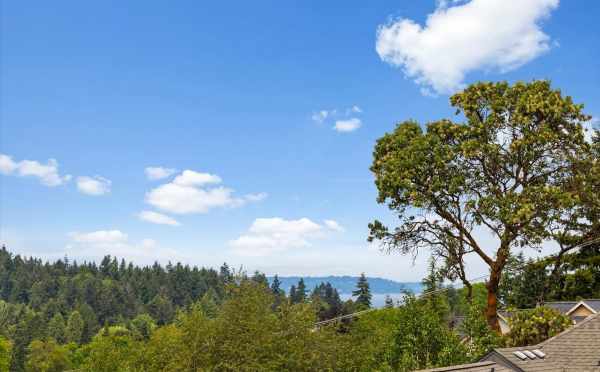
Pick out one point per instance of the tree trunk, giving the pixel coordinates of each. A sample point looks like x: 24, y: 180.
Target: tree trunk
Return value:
x: 469, y: 291
x: 491, y: 312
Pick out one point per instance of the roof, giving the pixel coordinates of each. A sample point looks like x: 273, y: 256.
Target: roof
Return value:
x: 566, y: 307
x: 576, y: 349
x: 487, y: 366
x: 562, y: 306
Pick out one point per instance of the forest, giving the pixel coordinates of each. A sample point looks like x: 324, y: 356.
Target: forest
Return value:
x: 58, y: 316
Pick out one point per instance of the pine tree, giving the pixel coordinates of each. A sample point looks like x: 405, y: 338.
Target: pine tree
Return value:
x: 300, y: 293
x: 56, y: 328
x: 276, y: 285
x: 278, y: 293
x: 362, y: 293
x: 74, y: 328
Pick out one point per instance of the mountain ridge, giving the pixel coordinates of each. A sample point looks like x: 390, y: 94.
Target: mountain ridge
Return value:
x: 346, y: 283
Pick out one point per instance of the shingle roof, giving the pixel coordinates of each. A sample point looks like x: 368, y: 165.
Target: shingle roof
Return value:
x: 565, y: 306
x: 562, y: 306
x: 576, y: 349
x: 594, y: 304
x: 473, y: 367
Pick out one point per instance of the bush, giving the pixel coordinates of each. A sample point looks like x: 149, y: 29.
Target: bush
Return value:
x: 530, y: 327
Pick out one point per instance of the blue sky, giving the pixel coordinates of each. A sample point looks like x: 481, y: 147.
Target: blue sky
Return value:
x: 236, y: 93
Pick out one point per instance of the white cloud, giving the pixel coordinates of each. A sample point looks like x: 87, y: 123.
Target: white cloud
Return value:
x: 116, y: 243
x: 474, y: 35
x: 191, y: 178
x: 271, y: 235
x: 355, y: 109
x: 99, y: 237
x: 47, y: 173
x: 188, y: 193
x: 345, y: 126
x: 95, y: 186
x: 157, y: 218
x: 256, y: 197
x: 157, y: 173
x: 333, y: 225
x: 321, y: 115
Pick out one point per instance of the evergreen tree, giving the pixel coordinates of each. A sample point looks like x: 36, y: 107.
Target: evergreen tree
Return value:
x: 301, y: 291
x: 362, y: 293
x: 75, y: 327
x: 56, y: 328
x: 276, y: 285
x: 278, y: 293
x: 209, y: 305
x: 161, y: 309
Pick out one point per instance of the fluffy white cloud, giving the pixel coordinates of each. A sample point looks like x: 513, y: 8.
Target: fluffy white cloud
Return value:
x: 157, y: 173
x: 345, y: 126
x: 47, y: 173
x: 333, y: 225
x: 99, y: 243
x: 157, y: 218
x: 189, y: 193
x: 468, y: 36
x: 95, y: 186
x: 191, y: 178
x: 99, y: 237
x: 270, y: 235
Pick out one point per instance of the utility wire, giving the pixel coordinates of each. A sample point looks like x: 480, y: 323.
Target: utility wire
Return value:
x: 421, y: 296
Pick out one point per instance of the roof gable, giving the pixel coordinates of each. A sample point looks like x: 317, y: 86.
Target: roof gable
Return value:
x: 576, y: 349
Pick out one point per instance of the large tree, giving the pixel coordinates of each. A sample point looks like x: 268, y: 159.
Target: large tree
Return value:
x: 506, y: 169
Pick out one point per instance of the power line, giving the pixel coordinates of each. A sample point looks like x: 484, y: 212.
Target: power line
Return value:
x: 421, y: 296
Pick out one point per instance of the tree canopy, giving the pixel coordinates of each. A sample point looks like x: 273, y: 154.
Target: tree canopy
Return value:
x: 510, y: 168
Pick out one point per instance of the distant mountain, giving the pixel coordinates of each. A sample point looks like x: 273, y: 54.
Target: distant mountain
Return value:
x: 346, y: 284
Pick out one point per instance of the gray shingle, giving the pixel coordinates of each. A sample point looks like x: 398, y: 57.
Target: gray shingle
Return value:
x: 473, y: 367
x: 576, y: 349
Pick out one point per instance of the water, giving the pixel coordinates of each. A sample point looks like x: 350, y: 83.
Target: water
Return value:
x: 378, y: 299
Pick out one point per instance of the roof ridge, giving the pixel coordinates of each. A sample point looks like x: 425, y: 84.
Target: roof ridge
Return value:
x: 570, y: 329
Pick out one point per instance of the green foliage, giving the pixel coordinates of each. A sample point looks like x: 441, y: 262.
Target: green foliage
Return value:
x: 142, y: 326
x: 47, y: 356
x: 423, y: 339
x: 326, y: 301
x: 298, y: 293
x: 56, y: 328
x: 432, y: 292
x: 480, y: 339
x: 75, y: 327
x: 112, y: 349
x: 362, y: 293
x: 530, y: 327
x: 511, y: 168
x: 5, y: 353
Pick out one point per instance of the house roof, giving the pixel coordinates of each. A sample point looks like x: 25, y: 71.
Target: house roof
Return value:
x: 576, y: 349
x: 487, y: 366
x: 567, y: 307
x: 562, y: 306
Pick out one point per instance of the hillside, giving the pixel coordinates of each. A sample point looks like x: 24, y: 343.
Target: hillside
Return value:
x: 346, y: 284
